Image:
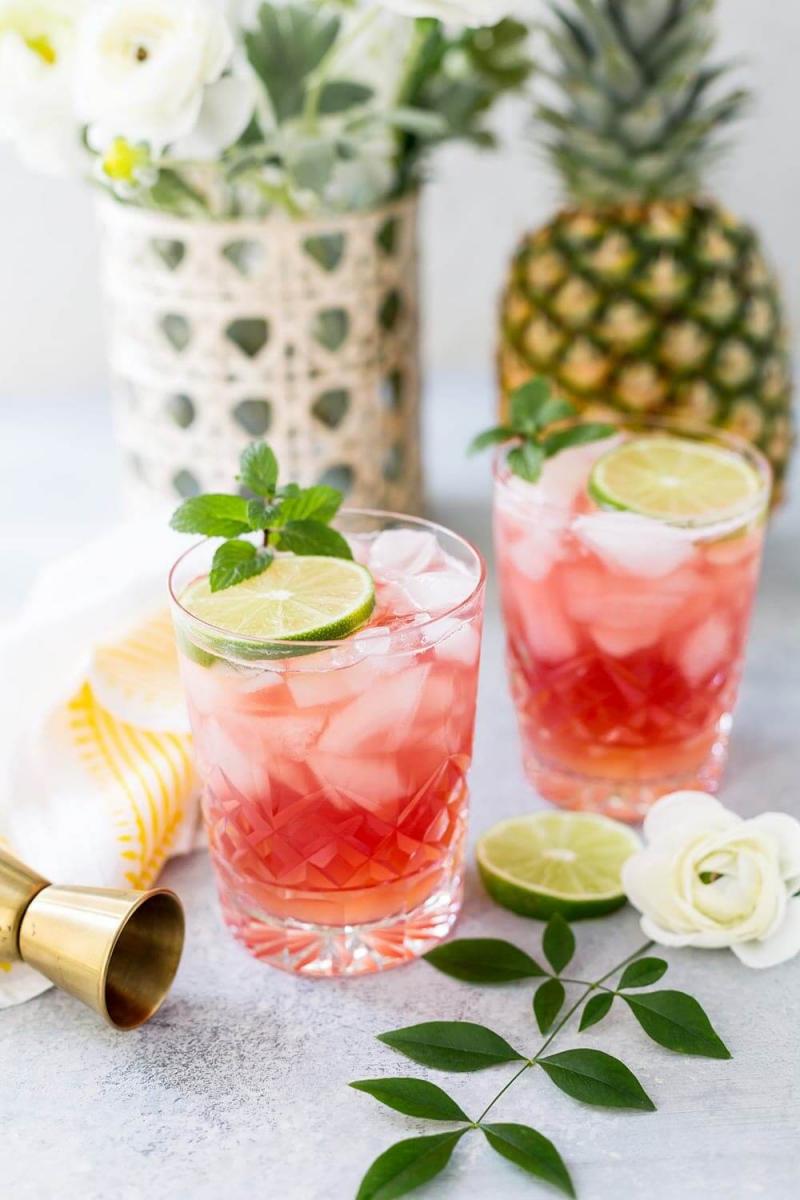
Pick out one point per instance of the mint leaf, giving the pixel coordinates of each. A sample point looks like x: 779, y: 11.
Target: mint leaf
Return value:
x: 261, y: 515
x: 414, y: 1097
x: 407, y: 1165
x: 532, y: 1151
x: 555, y: 409
x: 547, y: 1003
x: 595, y: 1009
x: 235, y: 561
x: 212, y: 515
x: 526, y: 461
x: 643, y: 972
x: 678, y: 1022
x: 491, y: 437
x: 312, y: 537
x: 558, y: 943
x: 451, y: 1045
x: 527, y: 403
x: 320, y: 502
x: 258, y: 469
x: 483, y: 960
x: 596, y: 1078
x: 578, y: 435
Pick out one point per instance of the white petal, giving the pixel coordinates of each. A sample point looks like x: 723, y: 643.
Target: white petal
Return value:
x: 648, y: 879
x: 226, y: 110
x: 670, y: 815
x: 780, y: 946
x: 666, y: 937
x: 786, y: 832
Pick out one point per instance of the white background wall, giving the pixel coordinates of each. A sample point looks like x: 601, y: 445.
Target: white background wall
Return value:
x: 50, y: 311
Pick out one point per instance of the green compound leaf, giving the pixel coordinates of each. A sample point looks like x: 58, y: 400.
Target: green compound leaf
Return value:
x: 312, y: 537
x: 547, y: 1003
x: 213, y: 515
x: 483, y: 960
x: 288, y: 43
x: 337, y: 95
x: 258, y: 469
x: 414, y: 1097
x: 596, y: 1078
x: 451, y: 1045
x: 235, y: 561
x: 676, y: 1021
x: 643, y: 972
x: 407, y: 1165
x: 532, y: 1151
x: 558, y: 943
x: 595, y: 1009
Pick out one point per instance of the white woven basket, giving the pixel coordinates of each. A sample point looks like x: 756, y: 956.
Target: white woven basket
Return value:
x: 302, y: 332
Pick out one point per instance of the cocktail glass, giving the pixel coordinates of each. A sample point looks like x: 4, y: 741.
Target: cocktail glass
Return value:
x: 625, y: 635
x: 334, y: 773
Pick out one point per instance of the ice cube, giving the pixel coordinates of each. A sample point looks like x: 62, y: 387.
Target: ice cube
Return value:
x: 455, y: 641
x: 565, y: 476
x: 374, y: 781
x: 595, y: 597
x: 378, y: 717
x: 438, y: 591
x: 292, y: 735
x: 406, y: 551
x: 634, y: 544
x: 549, y: 632
x: 704, y: 649
x: 619, y: 643
x: 540, y: 547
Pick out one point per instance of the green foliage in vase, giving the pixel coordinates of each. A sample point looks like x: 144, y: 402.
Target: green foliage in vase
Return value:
x: 349, y: 102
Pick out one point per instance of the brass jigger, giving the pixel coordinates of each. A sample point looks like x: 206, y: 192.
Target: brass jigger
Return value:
x: 116, y: 951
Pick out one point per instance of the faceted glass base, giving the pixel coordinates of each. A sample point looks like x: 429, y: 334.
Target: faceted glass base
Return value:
x: 626, y: 799
x: 303, y: 948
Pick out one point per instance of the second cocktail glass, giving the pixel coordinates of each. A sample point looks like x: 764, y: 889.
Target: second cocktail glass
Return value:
x: 334, y: 773
x: 626, y: 633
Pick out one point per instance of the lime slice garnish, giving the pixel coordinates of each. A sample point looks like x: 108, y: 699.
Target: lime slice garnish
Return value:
x: 556, y: 862
x: 674, y: 479
x: 308, y: 598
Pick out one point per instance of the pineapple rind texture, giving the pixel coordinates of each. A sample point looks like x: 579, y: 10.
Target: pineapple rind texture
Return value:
x: 667, y: 308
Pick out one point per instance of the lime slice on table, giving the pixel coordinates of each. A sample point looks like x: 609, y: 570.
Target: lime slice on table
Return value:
x: 556, y: 862
x: 674, y: 479
x: 297, y: 599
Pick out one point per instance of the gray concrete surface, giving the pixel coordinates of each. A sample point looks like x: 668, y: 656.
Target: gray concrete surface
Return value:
x: 238, y: 1088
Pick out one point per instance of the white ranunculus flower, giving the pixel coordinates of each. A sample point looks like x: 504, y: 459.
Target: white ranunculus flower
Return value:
x: 37, y: 45
x: 144, y: 67
x: 709, y: 878
x: 452, y: 12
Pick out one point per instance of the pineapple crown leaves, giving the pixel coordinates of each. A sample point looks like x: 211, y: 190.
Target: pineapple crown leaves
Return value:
x: 289, y: 518
x: 641, y: 105
x: 534, y: 411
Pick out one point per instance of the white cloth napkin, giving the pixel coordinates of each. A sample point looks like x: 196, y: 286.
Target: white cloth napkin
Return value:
x: 97, y: 785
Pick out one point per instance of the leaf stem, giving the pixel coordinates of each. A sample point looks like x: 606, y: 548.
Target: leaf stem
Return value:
x: 589, y: 988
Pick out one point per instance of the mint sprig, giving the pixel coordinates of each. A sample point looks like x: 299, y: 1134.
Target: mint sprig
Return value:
x: 535, y: 410
x: 669, y: 1018
x: 290, y: 518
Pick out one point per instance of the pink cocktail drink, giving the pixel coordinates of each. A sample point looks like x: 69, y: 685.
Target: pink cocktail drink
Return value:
x: 625, y: 634
x: 334, y: 774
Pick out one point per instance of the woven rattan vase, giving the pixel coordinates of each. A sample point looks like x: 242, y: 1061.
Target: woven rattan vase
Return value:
x: 302, y: 332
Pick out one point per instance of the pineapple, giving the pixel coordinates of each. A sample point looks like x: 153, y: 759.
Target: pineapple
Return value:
x: 644, y: 295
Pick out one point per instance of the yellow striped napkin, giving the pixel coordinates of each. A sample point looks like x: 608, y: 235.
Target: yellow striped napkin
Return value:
x: 96, y: 779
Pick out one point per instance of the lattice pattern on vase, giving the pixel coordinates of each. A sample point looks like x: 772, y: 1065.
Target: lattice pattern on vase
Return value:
x: 304, y: 332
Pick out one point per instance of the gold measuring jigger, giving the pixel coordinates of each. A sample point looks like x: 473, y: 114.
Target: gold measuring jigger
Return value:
x: 116, y: 951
